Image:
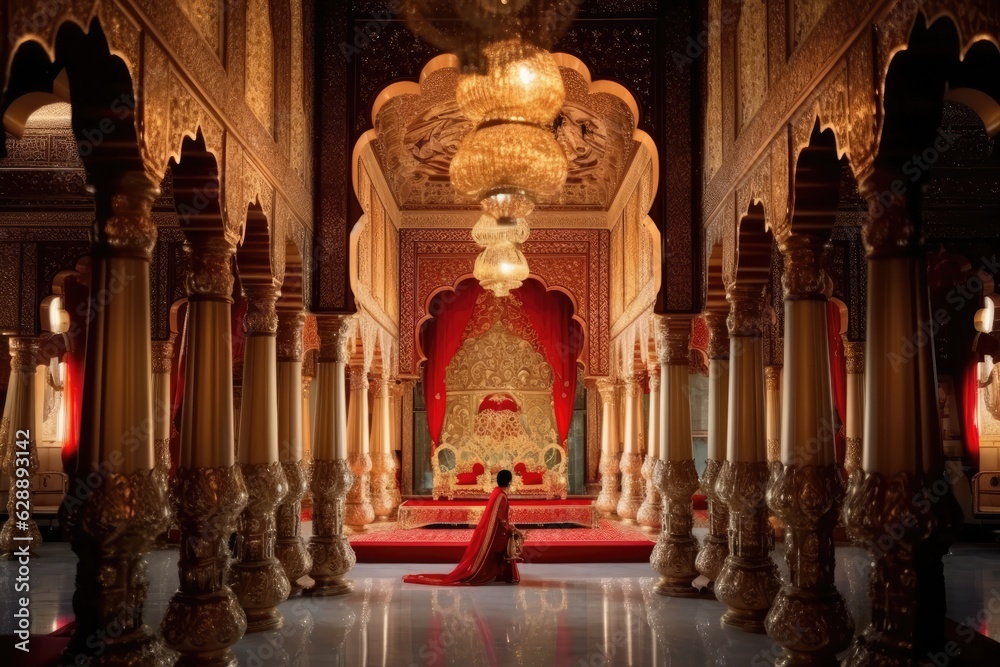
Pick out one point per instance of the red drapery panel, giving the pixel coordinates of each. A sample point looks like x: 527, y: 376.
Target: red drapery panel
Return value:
x: 76, y: 301
x: 838, y: 373
x: 551, y: 316
x: 442, y: 338
x: 967, y: 397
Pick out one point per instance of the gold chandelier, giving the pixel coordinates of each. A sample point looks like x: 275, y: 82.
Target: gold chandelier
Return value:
x: 511, y: 157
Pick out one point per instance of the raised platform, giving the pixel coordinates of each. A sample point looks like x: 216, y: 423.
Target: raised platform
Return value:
x: 608, y: 542
x: 420, y: 513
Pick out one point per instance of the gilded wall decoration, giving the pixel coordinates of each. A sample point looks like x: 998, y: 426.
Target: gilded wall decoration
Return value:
x: 418, y: 134
x: 752, y: 56
x: 805, y: 15
x: 297, y: 91
x: 618, y: 269
x: 259, y: 73
x: 575, y: 261
x: 206, y: 17
x: 713, y: 86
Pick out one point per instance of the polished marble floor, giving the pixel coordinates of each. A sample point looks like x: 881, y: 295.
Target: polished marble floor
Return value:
x: 561, y: 615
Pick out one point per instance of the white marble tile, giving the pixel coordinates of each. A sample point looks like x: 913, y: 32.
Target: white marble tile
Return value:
x: 562, y: 615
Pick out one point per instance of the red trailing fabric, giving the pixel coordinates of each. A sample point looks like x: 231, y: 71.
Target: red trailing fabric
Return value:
x: 838, y: 374
x: 551, y: 317
x: 442, y: 338
x: 483, y: 561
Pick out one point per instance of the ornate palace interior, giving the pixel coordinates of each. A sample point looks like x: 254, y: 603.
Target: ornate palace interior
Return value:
x: 284, y: 284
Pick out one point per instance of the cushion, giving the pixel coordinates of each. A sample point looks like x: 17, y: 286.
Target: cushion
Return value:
x: 530, y: 478
x: 470, y: 477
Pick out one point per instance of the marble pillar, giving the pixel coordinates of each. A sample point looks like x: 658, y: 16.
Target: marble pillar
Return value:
x: 607, y: 500
x: 631, y: 459
x: 649, y: 512
x: 854, y: 421
x: 900, y: 504
x: 331, y: 553
x: 749, y: 580
x: 809, y: 619
x: 359, y: 512
x: 19, y: 433
x: 715, y: 547
x: 385, y: 490
x: 676, y: 548
x: 203, y: 618
x: 290, y: 548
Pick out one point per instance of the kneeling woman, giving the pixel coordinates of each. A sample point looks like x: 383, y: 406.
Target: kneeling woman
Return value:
x: 488, y: 558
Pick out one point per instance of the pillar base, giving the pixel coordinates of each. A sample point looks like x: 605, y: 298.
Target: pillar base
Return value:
x: 748, y: 587
x: 649, y: 512
x: 607, y: 499
x: 384, y: 491
x: 676, y: 549
x: 332, y: 555
x: 290, y: 549
x: 632, y: 487
x: 715, y: 547
x: 819, y: 624
x: 204, y: 619
x: 359, y: 511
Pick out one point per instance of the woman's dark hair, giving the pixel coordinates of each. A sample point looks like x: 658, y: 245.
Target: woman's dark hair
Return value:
x: 503, y: 478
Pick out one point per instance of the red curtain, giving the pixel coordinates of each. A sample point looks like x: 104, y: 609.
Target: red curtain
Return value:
x: 551, y: 316
x: 76, y: 295
x: 838, y: 374
x: 442, y: 338
x: 967, y: 397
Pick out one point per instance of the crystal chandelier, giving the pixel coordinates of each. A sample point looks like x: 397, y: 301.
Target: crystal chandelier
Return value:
x: 511, y: 157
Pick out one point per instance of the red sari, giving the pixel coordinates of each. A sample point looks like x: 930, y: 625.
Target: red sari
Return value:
x: 485, y: 559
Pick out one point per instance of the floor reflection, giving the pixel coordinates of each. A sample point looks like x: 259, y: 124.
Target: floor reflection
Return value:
x: 586, y: 615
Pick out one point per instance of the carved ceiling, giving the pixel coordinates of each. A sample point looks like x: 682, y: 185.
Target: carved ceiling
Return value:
x: 418, y: 134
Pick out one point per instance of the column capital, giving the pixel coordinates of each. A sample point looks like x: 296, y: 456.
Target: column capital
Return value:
x: 359, y: 378
x: 289, y: 341
x: 633, y: 385
x: 654, y: 377
x: 261, y: 318
x: 163, y: 355
x: 22, y: 353
x: 673, y: 335
x: 606, y: 387
x: 718, y: 335
x: 125, y: 224
x: 890, y: 230
x: 854, y: 355
x: 211, y: 276
x: 803, y: 277
x: 746, y: 304
x: 772, y: 378
x: 335, y: 335
x: 381, y: 386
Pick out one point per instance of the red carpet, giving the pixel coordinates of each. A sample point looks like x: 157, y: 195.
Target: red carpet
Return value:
x: 611, y: 542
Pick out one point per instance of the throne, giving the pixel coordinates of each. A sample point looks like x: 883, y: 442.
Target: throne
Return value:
x: 499, y: 416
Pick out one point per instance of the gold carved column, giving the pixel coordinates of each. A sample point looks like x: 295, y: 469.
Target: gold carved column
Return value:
x: 115, y: 524
x: 900, y: 503
x: 257, y: 577
x: 854, y: 421
x: 331, y: 553
x: 631, y: 460
x: 290, y: 548
x: 162, y: 359
x: 403, y: 432
x: 19, y: 447
x: 607, y: 500
x: 807, y: 489
x: 385, y: 491
x: 359, y: 511
x: 715, y: 547
x: 204, y: 618
x: 772, y: 400
x: 675, y: 475
x: 749, y: 580
x: 649, y: 513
